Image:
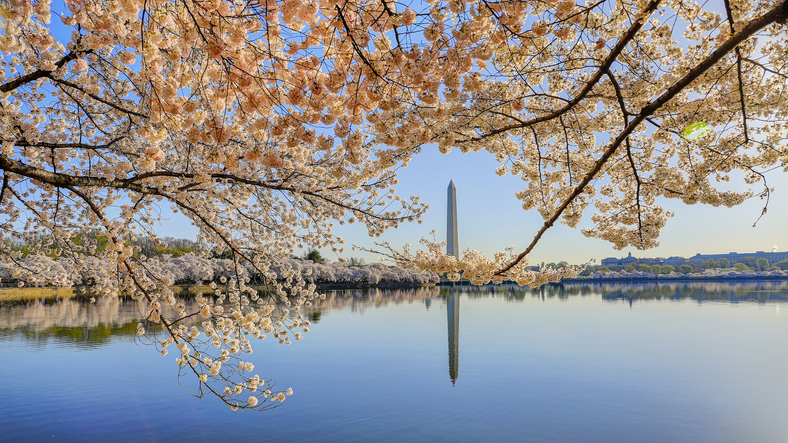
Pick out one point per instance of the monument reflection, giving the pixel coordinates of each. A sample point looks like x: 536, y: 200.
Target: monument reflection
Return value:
x: 453, y: 315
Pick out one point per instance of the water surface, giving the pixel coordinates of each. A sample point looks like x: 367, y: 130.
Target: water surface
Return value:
x: 682, y: 362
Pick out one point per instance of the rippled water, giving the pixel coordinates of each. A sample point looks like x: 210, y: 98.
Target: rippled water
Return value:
x: 694, y: 362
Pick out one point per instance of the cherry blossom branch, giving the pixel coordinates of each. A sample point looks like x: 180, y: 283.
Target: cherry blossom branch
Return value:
x: 64, y: 180
x: 355, y: 45
x: 625, y: 115
x: 94, y: 96
x: 776, y: 14
x: 738, y: 73
x: 25, y: 143
x: 5, y: 186
x: 168, y: 325
x: 42, y: 73
x: 600, y: 72
x: 760, y: 65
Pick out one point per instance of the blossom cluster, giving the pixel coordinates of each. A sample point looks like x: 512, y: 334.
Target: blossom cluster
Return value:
x: 95, y: 275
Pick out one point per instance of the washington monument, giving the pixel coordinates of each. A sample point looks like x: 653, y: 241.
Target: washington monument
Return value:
x: 453, y: 305
x: 452, y: 246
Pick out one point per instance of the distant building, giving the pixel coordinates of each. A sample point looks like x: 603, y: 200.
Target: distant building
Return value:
x: 651, y: 261
x: 676, y: 261
x: 630, y: 260
x: 611, y: 261
x: 735, y: 257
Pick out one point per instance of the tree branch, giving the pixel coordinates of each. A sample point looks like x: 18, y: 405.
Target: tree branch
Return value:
x: 85, y: 146
x: 41, y: 73
x: 776, y: 14
x: 614, y: 53
x: 355, y: 45
x: 738, y: 73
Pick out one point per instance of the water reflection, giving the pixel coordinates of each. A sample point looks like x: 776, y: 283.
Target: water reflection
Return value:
x: 566, y: 369
x: 722, y: 291
x: 80, y: 323
x: 453, y: 314
x: 359, y: 300
x: 763, y: 291
x: 76, y: 321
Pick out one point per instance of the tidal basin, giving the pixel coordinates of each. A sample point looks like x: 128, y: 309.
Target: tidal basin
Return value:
x: 651, y: 362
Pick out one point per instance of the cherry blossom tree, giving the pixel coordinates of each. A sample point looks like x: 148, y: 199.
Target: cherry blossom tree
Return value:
x: 605, y: 104
x: 267, y: 122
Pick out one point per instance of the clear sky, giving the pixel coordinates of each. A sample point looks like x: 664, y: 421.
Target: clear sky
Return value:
x: 490, y: 218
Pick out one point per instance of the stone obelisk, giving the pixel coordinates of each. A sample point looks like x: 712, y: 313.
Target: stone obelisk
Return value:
x: 452, y: 246
x: 453, y: 301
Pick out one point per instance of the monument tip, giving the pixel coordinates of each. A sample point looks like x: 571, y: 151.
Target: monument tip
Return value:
x: 452, y: 245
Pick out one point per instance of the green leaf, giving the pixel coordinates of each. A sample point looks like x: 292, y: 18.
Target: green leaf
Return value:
x: 696, y: 131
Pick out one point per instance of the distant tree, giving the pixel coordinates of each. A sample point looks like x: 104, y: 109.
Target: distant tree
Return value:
x: 227, y: 253
x: 723, y: 263
x: 741, y: 267
x: 176, y: 246
x: 665, y: 269
x: 151, y: 247
x: 630, y: 268
x: 710, y: 264
x: 562, y: 264
x: 645, y: 268
x: 175, y: 252
x: 146, y: 246
x: 314, y: 255
x: 92, y: 240
x: 355, y: 262
x: 750, y: 261
x: 763, y: 264
x: 686, y: 269
x: 782, y: 265
x: 180, y: 244
x: 603, y: 269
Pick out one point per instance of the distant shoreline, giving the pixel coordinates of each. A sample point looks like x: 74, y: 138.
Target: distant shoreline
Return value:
x: 660, y: 279
x: 673, y: 279
x: 13, y: 292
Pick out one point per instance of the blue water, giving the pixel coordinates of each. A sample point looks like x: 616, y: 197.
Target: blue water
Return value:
x: 576, y: 364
